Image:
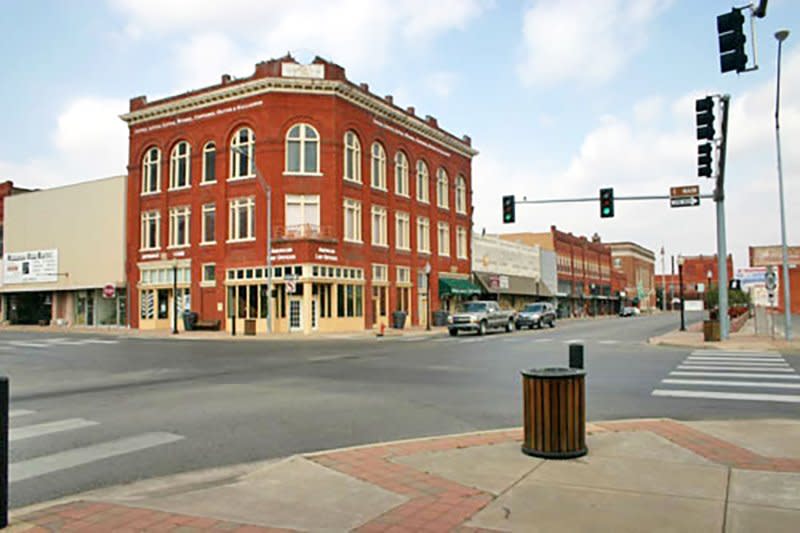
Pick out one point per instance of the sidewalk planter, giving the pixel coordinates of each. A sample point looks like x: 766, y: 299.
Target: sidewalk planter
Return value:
x: 250, y: 326
x: 711, y: 330
x: 399, y: 319
x: 189, y: 320
x: 554, y: 412
x: 440, y: 318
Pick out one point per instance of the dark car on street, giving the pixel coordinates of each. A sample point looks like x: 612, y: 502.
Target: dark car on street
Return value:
x: 537, y: 315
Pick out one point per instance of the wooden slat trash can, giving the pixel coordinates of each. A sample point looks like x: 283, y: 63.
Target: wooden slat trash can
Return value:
x: 250, y: 326
x: 554, y: 412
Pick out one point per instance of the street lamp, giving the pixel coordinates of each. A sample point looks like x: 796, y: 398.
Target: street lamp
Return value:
x: 680, y: 281
x: 268, y: 192
x: 428, y: 290
x: 174, y: 296
x: 781, y: 36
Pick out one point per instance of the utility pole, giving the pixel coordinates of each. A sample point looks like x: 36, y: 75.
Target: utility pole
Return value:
x: 722, y: 250
x: 663, y: 281
x: 680, y: 288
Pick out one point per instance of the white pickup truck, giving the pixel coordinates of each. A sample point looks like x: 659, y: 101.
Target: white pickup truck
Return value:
x: 480, y: 317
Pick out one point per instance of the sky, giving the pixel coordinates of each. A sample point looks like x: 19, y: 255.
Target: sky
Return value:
x: 561, y: 98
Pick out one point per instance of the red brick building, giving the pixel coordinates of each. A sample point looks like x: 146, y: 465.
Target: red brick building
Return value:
x: 772, y: 256
x: 583, y: 269
x: 637, y: 264
x: 364, y: 195
x: 696, y: 270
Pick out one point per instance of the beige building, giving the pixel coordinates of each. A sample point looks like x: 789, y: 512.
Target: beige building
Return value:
x: 64, y: 256
x: 638, y: 265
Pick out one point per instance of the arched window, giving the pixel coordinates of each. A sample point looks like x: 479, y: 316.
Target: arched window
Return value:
x: 209, y: 163
x: 461, y: 195
x: 352, y: 157
x: 442, y: 189
x: 179, y: 169
x: 151, y: 171
x: 423, y: 182
x: 378, y: 166
x: 302, y: 150
x: 243, y: 145
x: 401, y: 174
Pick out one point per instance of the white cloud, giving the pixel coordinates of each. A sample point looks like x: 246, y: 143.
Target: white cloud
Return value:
x: 89, y: 141
x: 441, y: 83
x: 359, y: 34
x: 645, y: 152
x: 583, y: 40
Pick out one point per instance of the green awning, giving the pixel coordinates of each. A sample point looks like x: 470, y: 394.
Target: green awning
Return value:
x: 457, y: 287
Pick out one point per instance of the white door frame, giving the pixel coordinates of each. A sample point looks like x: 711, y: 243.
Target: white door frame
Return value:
x: 298, y: 300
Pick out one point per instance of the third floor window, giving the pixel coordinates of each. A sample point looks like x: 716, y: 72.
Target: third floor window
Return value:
x: 378, y: 167
x: 151, y: 171
x: 179, y: 167
x: 243, y: 146
x: 352, y: 157
x: 302, y: 150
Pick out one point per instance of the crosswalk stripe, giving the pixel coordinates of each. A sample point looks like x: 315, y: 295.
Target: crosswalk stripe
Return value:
x: 736, y: 368
x: 38, y: 430
x: 80, y: 456
x: 742, y: 354
x: 13, y: 413
x: 714, y: 395
x: 731, y: 383
x: 743, y: 359
x: 733, y: 375
x: 736, y: 363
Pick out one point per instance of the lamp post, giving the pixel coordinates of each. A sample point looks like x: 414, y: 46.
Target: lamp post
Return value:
x: 781, y: 36
x: 680, y: 281
x: 268, y: 192
x: 428, y: 290
x: 174, y: 296
x: 709, y: 275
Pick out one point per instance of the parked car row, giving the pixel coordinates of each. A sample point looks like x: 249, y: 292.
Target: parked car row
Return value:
x: 481, y: 316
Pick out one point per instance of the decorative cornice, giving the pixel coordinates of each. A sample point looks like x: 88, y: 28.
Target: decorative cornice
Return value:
x: 261, y: 86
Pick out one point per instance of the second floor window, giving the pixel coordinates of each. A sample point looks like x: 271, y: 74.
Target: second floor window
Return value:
x: 444, y: 239
x: 423, y: 235
x: 401, y: 174
x: 352, y: 157
x: 352, y: 220
x: 379, y: 237
x: 243, y: 146
x: 442, y: 189
x: 209, y: 230
x: 402, y: 231
x: 461, y: 243
x: 302, y: 150
x: 209, y: 163
x: 241, y: 219
x: 179, y: 169
x: 461, y: 195
x: 378, y: 167
x: 179, y: 227
x: 151, y: 171
x: 151, y: 220
x: 302, y: 214
x: 423, y: 182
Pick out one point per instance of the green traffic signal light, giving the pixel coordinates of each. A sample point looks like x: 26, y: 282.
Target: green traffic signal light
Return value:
x: 509, y: 204
x: 606, y: 203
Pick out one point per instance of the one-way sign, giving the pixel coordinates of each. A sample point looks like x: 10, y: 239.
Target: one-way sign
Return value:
x: 685, y: 196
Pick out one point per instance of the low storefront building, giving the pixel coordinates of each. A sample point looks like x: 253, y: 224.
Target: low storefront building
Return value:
x: 63, y: 264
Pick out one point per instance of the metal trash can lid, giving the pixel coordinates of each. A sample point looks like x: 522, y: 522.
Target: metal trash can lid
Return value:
x: 552, y: 372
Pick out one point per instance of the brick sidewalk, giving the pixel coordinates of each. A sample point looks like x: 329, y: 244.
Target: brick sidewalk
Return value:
x: 434, y: 502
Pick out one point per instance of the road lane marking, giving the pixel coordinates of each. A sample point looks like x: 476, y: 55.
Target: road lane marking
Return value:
x: 736, y: 368
x: 574, y: 341
x: 19, y: 412
x: 27, y: 344
x: 731, y: 383
x: 713, y: 395
x: 38, y: 430
x: 607, y: 342
x: 48, y: 464
x: 734, y: 375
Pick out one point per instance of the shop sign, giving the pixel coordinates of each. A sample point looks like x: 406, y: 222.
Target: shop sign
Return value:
x: 326, y: 254
x: 38, y: 266
x: 109, y: 290
x: 283, y: 254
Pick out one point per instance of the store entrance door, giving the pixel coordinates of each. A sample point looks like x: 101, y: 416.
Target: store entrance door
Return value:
x: 295, y: 313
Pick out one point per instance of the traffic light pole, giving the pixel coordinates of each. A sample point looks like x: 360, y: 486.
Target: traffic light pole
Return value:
x: 616, y: 198
x: 722, y: 251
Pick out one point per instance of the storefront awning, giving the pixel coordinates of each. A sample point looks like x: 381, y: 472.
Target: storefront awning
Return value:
x: 457, y: 287
x: 514, y: 285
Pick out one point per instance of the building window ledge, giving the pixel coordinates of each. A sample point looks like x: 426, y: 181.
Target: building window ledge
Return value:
x: 303, y: 174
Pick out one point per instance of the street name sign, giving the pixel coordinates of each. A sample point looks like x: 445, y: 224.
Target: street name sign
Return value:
x: 684, y: 196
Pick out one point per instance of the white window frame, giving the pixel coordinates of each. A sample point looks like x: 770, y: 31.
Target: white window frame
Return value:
x: 378, y: 166
x: 461, y: 242
x: 380, y: 273
x: 352, y: 208
x: 352, y: 148
x: 423, y: 235
x: 249, y: 203
x: 209, y: 147
x: 249, y: 146
x: 303, y: 200
x: 402, y: 230
x: 443, y: 238
x: 204, y: 281
x: 405, y: 278
x: 423, y: 182
x: 401, y: 174
x: 442, y: 189
x: 380, y: 235
x: 150, y: 161
x: 208, y: 208
x: 302, y: 138
x: 155, y: 218
x: 461, y: 195
x: 175, y: 160
x: 176, y: 213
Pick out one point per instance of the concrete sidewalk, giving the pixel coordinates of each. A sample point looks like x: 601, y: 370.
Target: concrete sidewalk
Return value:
x: 639, y: 475
x: 744, y: 339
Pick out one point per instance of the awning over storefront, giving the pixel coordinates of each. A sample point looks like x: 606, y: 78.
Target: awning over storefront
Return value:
x: 457, y: 287
x: 516, y: 285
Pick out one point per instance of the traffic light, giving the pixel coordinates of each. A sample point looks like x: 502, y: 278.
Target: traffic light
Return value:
x: 704, y: 160
x: 731, y: 41
x: 606, y: 203
x: 508, y: 209
x: 704, y: 109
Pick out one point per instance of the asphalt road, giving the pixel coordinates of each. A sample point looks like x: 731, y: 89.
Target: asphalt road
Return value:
x: 96, y: 410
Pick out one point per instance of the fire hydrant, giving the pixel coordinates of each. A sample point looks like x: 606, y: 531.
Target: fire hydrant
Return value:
x: 382, y: 329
